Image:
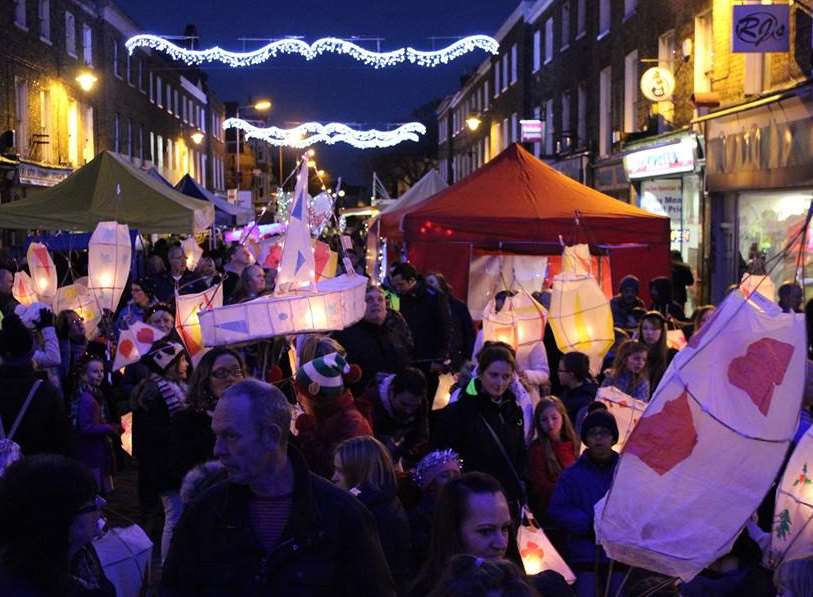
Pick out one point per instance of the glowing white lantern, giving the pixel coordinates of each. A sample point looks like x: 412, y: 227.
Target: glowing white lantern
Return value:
x: 187, y: 322
x: 576, y: 259
x: 581, y: 318
x: 192, y: 251
x: 76, y: 297
x: 23, y: 289
x: 520, y: 323
x: 761, y: 284
x: 43, y: 272
x: 109, y: 263
x: 536, y: 550
x: 626, y: 410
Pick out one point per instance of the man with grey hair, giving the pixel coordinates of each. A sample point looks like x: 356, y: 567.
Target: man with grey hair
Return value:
x: 273, y: 528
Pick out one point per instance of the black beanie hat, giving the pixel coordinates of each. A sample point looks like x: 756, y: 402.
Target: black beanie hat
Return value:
x: 599, y: 418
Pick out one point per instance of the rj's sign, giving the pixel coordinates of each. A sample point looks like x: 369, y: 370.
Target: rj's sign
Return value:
x: 761, y: 28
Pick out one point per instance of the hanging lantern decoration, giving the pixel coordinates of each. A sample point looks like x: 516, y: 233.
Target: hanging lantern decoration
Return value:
x: 520, y: 323
x: 581, y: 318
x: 761, y: 284
x: 192, y: 251
x: 187, y: 323
x: 536, y: 551
x: 43, y: 272
x: 576, y: 259
x: 626, y: 410
x: 22, y: 289
x: 77, y: 298
x: 109, y: 263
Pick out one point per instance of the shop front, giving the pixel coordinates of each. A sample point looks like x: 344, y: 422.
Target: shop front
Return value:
x: 667, y: 177
x: 759, y: 175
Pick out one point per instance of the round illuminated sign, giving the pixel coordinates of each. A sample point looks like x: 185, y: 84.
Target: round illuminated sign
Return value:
x: 657, y: 84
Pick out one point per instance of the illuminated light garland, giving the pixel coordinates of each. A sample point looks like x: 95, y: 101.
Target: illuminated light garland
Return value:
x: 310, y: 133
x: 311, y: 51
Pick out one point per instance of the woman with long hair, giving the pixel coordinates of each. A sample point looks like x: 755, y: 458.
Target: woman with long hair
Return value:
x: 471, y: 517
x: 555, y: 447
x: 652, y: 331
x: 629, y: 371
x: 251, y: 284
x: 362, y: 466
x: 49, y: 516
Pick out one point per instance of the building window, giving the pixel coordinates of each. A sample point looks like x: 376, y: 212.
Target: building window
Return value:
x: 141, y: 75
x: 703, y: 53
x: 631, y: 92
x: 514, y: 63
x: 581, y: 124
x: 548, y: 40
x: 581, y: 18
x: 151, y: 90
x: 757, y: 73
x: 497, y: 78
x: 177, y: 104
x: 603, y: 18
x: 20, y: 16
x: 565, y: 24
x: 116, y: 132
x: 566, y: 133
x: 537, y: 144
x: 506, y: 132
x: 45, y: 20
x: 504, y: 71
x: 141, y: 143
x: 128, y: 61
x: 70, y: 34
x: 21, y: 115
x: 605, y: 112
x: 87, y: 45
x: 629, y: 7
x: 549, y: 128
x: 169, y: 101
x: 130, y: 137
x: 159, y: 97
x: 116, y: 66
x: 537, y: 61
x: 514, y: 128
x: 485, y: 94
x: 666, y: 58
x: 159, y: 151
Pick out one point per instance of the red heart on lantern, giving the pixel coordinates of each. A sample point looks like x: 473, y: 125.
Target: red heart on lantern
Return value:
x: 126, y: 347
x: 145, y: 336
x: 532, y: 548
x: 664, y: 440
x: 761, y: 369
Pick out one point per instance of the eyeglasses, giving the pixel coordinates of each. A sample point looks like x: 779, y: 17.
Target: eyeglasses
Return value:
x: 563, y: 371
x: 98, y: 503
x: 225, y: 373
x: 599, y: 432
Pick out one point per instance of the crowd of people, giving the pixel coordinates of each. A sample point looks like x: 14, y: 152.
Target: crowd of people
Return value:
x: 331, y: 464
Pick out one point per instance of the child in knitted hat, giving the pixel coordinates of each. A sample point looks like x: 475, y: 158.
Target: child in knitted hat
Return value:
x: 331, y: 415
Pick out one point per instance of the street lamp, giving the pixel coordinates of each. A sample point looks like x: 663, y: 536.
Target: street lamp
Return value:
x: 87, y: 80
x: 473, y: 122
x: 196, y: 137
x: 260, y: 106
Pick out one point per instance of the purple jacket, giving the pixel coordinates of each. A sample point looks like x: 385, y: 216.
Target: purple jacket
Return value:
x: 92, y: 446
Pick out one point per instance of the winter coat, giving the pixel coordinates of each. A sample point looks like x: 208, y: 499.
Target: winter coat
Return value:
x: 384, y: 348
x: 336, y: 419
x: 541, y: 481
x: 329, y: 547
x: 420, y: 527
x: 427, y: 314
x: 579, y: 487
x: 406, y: 439
x: 463, y: 331
x: 165, y: 285
x: 45, y: 428
x: 393, y: 531
x: 626, y: 316
x: 92, y: 432
x: 191, y: 443
x: 462, y: 427
x: 576, y: 399
x: 624, y: 382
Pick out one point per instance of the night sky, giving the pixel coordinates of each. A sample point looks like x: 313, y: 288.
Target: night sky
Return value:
x: 331, y: 88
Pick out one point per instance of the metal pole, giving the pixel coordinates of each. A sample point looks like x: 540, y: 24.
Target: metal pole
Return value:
x: 237, y: 162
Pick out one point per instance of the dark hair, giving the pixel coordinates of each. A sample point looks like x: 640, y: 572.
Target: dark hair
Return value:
x: 410, y: 380
x: 241, y: 291
x: 698, y: 314
x: 442, y: 282
x: 39, y: 498
x: 493, y: 352
x: 468, y: 576
x: 62, y: 325
x: 657, y: 354
x: 596, y: 405
x: 451, y: 510
x: 577, y: 364
x: 405, y: 270
x: 627, y: 348
x: 199, y: 393
x: 158, y: 307
x: 16, y: 340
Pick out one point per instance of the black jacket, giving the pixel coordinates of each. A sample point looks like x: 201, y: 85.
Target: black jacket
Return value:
x: 153, y: 429
x: 463, y: 334
x: 460, y: 426
x: 577, y: 398
x: 191, y: 443
x: 45, y: 428
x: 377, y: 348
x: 427, y: 314
x: 329, y: 547
x: 165, y: 285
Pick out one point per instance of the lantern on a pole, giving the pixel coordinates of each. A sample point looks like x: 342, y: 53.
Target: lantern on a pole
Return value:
x: 77, y: 298
x: 580, y: 317
x: 757, y: 283
x: 23, y: 289
x: 192, y: 251
x: 43, y: 272
x: 187, y: 323
x: 109, y: 263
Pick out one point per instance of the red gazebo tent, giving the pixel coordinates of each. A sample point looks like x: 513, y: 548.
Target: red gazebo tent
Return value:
x: 517, y: 204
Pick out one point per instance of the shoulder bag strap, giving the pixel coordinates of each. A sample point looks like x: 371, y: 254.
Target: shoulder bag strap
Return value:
x: 22, y: 412
x: 507, y: 458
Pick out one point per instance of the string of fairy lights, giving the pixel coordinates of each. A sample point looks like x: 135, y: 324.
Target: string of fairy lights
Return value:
x: 311, y: 51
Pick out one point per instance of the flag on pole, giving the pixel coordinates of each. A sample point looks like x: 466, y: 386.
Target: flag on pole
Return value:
x: 297, y: 269
x: 187, y: 323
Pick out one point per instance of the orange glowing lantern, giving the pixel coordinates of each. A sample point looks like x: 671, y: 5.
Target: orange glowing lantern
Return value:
x: 23, y: 289
x: 43, y: 272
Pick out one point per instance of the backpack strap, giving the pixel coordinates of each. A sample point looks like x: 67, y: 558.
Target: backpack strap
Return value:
x: 21, y: 414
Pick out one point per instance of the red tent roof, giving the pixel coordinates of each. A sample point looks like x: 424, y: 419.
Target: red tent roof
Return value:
x: 512, y: 196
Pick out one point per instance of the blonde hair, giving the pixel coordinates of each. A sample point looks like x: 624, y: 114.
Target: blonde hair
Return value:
x: 366, y: 461
x: 317, y: 345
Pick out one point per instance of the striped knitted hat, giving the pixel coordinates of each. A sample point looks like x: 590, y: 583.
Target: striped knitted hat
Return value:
x: 323, y: 375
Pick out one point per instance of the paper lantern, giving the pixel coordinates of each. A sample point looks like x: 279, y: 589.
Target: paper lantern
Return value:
x: 43, y: 272
x: 22, y: 289
x: 78, y: 298
x: 792, y: 533
x: 520, y: 323
x: 676, y: 339
x: 580, y: 317
x: 708, y: 446
x: 125, y: 557
x: 187, y: 322
x: 761, y: 284
x: 109, y: 263
x: 576, y: 259
x: 192, y: 251
x: 127, y: 433
x: 537, y: 552
x: 626, y: 410
x: 135, y: 342
x: 444, y: 391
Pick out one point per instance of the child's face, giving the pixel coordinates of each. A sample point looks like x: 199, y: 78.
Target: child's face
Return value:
x: 636, y: 362
x: 94, y: 373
